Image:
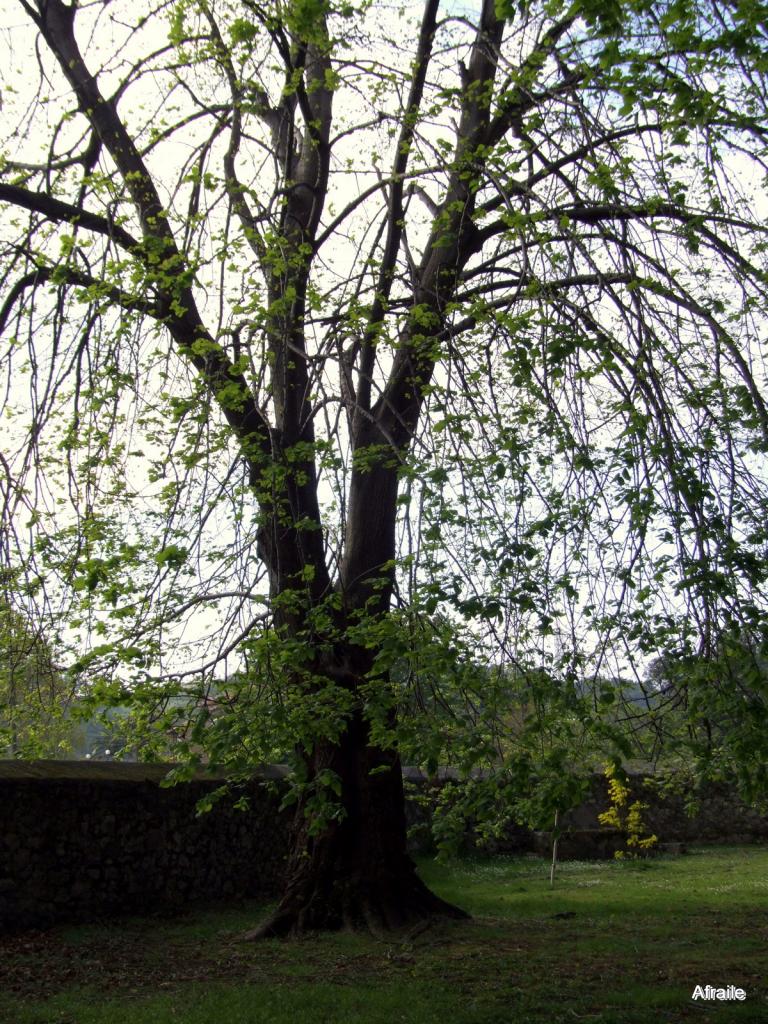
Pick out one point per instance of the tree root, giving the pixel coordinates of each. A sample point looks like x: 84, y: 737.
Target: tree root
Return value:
x: 349, y: 908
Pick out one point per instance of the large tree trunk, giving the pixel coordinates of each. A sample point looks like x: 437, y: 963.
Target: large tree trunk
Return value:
x: 356, y: 872
x: 352, y: 871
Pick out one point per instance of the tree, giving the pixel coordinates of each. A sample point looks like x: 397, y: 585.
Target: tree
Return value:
x: 34, y: 694
x: 714, y: 708
x: 460, y: 314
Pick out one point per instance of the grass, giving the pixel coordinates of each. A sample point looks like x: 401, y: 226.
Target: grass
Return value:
x: 612, y: 943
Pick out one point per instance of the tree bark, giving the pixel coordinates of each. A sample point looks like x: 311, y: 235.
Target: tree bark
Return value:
x: 356, y: 873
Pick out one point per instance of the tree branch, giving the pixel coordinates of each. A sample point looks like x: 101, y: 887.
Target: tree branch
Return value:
x: 75, y: 278
x: 59, y: 212
x: 395, y: 211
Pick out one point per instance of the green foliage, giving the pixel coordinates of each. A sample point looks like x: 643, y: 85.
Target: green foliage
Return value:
x: 722, y: 710
x: 34, y: 691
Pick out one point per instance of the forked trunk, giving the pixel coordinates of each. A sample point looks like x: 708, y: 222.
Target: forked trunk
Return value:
x: 356, y: 872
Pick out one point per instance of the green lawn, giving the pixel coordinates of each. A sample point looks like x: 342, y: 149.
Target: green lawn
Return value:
x: 613, y: 943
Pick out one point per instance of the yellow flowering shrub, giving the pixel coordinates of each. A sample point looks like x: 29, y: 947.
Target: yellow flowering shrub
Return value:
x: 626, y: 817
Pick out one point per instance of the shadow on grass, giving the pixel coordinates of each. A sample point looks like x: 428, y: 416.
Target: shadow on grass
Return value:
x: 612, y: 943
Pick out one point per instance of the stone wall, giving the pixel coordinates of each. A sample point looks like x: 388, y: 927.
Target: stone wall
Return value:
x: 720, y: 817
x: 82, y: 840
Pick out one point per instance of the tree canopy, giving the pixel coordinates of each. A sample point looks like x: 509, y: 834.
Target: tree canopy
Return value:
x: 325, y: 321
